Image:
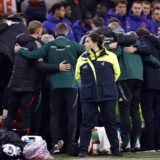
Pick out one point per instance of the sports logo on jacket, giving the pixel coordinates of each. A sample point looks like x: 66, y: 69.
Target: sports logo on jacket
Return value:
x: 103, y: 63
x: 85, y: 67
x: 60, y: 48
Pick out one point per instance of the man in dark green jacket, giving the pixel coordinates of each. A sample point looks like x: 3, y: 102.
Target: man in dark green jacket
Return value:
x: 63, y: 85
x: 130, y: 86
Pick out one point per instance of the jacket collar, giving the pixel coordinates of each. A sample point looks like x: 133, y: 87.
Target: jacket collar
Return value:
x: 94, y: 55
x: 112, y: 14
x: 137, y: 18
x: 61, y: 36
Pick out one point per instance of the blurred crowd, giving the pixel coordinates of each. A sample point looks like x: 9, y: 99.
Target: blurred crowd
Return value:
x: 67, y: 66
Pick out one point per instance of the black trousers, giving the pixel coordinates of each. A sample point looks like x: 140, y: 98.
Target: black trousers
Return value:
x: 45, y: 117
x: 129, y: 100
x: 151, y: 112
x: 89, y: 113
x: 5, y: 73
x: 63, y: 98
x: 36, y: 115
x: 28, y: 102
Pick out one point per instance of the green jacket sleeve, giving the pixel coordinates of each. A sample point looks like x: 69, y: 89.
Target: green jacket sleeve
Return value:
x: 117, y: 51
x: 36, y: 54
x: 152, y: 61
x: 80, y: 49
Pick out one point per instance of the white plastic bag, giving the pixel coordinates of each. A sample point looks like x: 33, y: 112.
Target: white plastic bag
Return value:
x: 36, y: 149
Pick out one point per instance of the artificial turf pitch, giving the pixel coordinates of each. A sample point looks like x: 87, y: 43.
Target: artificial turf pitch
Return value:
x: 128, y: 156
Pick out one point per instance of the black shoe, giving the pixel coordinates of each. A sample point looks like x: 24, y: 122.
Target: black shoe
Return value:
x: 125, y: 150
x: 73, y: 149
x: 83, y: 154
x: 136, y: 149
x: 117, y: 154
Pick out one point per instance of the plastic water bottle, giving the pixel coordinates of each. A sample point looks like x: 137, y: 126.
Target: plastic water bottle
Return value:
x: 95, y: 143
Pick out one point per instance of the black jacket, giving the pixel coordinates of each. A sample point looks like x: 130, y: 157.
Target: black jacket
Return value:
x: 26, y: 75
x: 8, y: 38
x: 110, y: 37
x: 36, y: 13
x: 151, y: 74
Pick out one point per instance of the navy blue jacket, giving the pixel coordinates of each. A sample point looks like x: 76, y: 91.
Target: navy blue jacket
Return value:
x: 97, y: 72
x: 36, y: 13
x: 80, y: 29
x: 8, y: 38
x: 155, y: 26
x: 122, y: 18
x: 135, y: 22
x: 151, y: 74
x: 51, y: 22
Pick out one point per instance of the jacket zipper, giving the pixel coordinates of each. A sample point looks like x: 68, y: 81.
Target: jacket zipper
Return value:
x: 97, y: 90
x: 95, y: 75
x: 97, y: 81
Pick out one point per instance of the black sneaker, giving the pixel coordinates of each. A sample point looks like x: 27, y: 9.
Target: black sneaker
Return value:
x: 125, y: 150
x: 117, y: 154
x: 57, y: 147
x: 136, y: 149
x: 73, y: 149
x: 83, y: 154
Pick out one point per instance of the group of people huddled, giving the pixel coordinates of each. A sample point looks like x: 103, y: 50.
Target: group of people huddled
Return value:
x: 68, y: 78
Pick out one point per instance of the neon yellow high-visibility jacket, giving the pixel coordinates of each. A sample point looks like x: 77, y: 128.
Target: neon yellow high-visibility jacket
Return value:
x: 97, y: 72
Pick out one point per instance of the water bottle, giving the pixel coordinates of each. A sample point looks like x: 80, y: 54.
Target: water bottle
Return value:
x: 95, y: 142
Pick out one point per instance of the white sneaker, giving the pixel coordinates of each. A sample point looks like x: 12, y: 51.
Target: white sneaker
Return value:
x: 57, y: 147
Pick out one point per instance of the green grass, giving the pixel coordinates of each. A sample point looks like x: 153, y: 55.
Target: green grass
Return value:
x: 128, y: 156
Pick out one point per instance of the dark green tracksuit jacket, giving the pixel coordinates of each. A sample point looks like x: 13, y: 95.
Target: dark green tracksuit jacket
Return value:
x: 131, y: 64
x: 55, y: 52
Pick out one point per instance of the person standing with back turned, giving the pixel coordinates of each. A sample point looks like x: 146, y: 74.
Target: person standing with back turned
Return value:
x: 63, y: 85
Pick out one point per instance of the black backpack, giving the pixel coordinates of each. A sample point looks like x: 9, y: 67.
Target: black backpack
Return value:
x: 10, y: 140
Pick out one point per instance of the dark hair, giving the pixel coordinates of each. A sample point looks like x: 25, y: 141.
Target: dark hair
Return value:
x: 98, y: 22
x: 116, y: 2
x: 143, y: 32
x: 23, y: 16
x: 86, y: 14
x: 111, y: 20
x: 103, y: 4
x: 146, y: 2
x: 95, y: 37
x: 55, y: 7
x: 65, y: 4
x: 154, y: 2
x: 2, y: 17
